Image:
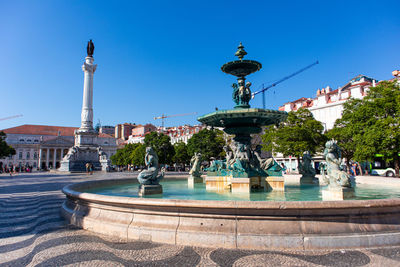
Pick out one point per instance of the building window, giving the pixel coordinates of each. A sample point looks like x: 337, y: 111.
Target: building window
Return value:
x: 36, y: 140
x: 21, y: 140
x: 28, y: 155
x: 35, y: 155
x: 34, y: 164
x: 29, y: 140
x: 20, y: 155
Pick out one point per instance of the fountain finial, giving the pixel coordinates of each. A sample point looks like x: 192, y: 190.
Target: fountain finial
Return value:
x: 240, y: 53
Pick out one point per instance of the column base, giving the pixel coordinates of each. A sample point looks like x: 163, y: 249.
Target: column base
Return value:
x: 341, y: 193
x: 275, y: 183
x: 145, y: 190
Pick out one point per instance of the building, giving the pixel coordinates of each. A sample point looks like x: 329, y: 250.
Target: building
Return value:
x: 139, y: 132
x: 123, y: 131
x: 182, y: 133
x: 110, y: 130
x: 44, y: 146
x: 327, y: 106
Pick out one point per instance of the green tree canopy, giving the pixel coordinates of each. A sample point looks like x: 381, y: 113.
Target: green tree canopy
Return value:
x: 300, y: 132
x: 125, y: 155
x: 181, y: 153
x: 138, y: 155
x: 5, y: 149
x: 209, y: 143
x: 373, y: 124
x: 161, y: 144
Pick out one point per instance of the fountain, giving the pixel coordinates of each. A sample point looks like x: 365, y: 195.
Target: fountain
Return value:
x: 203, y: 215
x: 242, y: 170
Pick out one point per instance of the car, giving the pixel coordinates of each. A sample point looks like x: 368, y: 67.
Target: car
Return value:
x: 388, y: 172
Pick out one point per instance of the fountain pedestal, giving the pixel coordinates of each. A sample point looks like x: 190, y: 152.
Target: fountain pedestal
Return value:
x: 337, y: 193
x: 192, y: 180
x: 309, y: 180
x: 145, y: 190
x: 245, y: 185
x: 275, y: 183
x: 218, y: 183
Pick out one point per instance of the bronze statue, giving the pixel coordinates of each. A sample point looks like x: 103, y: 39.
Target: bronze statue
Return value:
x: 90, y: 48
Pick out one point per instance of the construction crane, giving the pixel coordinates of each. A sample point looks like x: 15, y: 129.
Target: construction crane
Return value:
x: 11, y: 117
x: 264, y: 89
x: 162, y: 117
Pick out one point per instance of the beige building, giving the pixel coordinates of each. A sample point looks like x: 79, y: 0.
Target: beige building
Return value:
x: 43, y: 146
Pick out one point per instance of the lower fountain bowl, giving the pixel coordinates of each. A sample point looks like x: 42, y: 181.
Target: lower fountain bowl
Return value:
x: 234, y: 224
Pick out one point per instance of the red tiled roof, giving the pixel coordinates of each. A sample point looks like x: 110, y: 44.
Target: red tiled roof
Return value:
x: 46, y: 130
x: 41, y: 130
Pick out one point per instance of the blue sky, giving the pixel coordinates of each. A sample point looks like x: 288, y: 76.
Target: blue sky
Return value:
x: 158, y: 57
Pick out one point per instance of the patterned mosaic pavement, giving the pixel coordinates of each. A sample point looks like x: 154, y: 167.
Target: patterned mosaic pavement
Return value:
x: 32, y: 233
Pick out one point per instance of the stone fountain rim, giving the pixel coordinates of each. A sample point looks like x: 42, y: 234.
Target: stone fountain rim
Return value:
x: 75, y: 191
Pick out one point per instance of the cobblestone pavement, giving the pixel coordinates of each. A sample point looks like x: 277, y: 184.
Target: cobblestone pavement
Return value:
x: 32, y: 233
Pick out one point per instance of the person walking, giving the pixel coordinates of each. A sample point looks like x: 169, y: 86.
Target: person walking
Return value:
x: 87, y: 168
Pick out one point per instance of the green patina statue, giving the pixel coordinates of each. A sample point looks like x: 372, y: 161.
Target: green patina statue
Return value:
x: 196, y: 162
x: 334, y: 176
x: 150, y: 175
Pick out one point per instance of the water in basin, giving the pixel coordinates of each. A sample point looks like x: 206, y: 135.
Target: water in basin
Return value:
x: 178, y: 189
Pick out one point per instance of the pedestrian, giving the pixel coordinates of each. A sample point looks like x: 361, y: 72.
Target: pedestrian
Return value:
x: 91, y: 168
x: 87, y: 168
x: 283, y: 168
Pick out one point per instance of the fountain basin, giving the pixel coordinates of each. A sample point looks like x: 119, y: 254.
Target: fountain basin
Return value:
x: 246, y: 120
x: 234, y: 224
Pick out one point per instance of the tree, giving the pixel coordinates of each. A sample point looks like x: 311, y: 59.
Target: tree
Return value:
x: 181, y: 153
x: 374, y: 123
x: 299, y: 133
x: 209, y: 143
x: 125, y: 155
x: 161, y: 144
x: 346, y: 129
x: 5, y: 149
x: 138, y: 155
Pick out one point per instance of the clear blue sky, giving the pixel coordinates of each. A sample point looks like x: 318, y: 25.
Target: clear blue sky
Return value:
x: 158, y: 57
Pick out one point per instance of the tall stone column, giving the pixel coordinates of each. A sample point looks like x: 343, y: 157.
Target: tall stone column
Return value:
x: 40, y: 159
x: 47, y: 158
x: 87, y: 104
x: 54, y: 158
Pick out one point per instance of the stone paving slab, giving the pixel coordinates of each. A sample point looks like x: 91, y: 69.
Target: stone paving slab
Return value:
x: 32, y: 233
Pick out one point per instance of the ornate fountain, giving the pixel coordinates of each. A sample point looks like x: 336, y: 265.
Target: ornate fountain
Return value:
x: 243, y: 168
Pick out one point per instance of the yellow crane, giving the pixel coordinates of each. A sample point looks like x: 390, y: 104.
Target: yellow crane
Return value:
x: 162, y: 117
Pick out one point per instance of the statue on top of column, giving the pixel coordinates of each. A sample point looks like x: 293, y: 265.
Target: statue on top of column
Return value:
x: 90, y: 48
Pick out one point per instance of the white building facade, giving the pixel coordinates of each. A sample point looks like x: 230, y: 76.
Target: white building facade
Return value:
x: 43, y: 146
x: 327, y: 107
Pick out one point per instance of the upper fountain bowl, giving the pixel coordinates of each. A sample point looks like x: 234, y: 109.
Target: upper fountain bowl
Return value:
x: 241, y: 68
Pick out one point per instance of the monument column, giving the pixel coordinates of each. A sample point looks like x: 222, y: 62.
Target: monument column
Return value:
x: 87, y: 104
x: 47, y: 158
x: 54, y: 158
x: 40, y: 158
